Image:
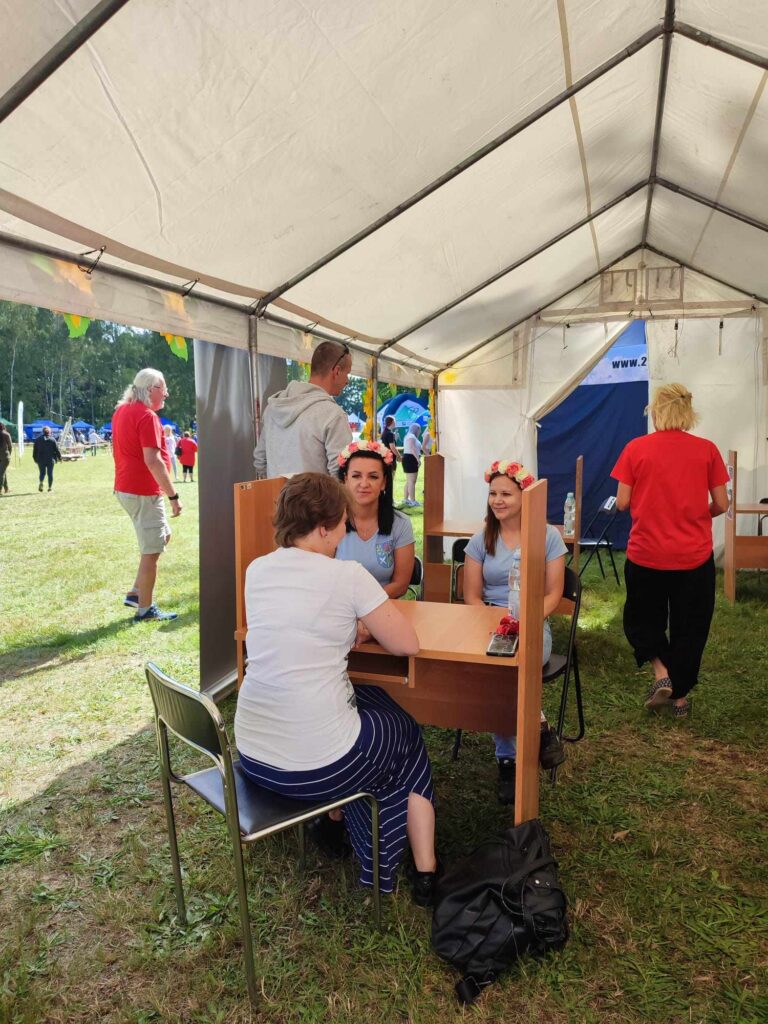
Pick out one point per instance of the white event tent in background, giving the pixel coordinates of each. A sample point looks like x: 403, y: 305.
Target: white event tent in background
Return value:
x: 443, y: 185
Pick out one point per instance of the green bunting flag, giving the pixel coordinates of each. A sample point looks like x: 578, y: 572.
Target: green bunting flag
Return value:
x: 76, y: 325
x: 177, y: 345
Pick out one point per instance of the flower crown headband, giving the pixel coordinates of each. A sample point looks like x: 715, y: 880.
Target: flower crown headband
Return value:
x: 375, y: 447
x: 514, y: 470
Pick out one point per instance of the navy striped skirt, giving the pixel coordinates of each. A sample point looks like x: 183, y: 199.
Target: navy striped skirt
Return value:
x: 388, y: 760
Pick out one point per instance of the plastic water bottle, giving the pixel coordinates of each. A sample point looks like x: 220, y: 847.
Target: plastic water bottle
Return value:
x: 513, y: 601
x: 569, y: 515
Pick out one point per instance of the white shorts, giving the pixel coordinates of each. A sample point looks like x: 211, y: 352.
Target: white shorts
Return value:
x: 147, y: 512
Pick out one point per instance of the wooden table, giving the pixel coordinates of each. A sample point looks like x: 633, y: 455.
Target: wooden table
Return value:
x: 742, y: 551
x: 452, y: 683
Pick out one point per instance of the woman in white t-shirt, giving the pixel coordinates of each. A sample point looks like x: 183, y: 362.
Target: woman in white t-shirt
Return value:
x: 301, y: 728
x: 489, y: 556
x: 411, y: 462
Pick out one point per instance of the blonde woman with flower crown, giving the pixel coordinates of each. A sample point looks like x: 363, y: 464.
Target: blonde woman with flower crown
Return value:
x: 489, y: 557
x: 378, y: 536
x: 673, y: 484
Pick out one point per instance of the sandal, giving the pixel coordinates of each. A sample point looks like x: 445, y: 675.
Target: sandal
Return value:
x: 659, y: 693
x: 682, y: 710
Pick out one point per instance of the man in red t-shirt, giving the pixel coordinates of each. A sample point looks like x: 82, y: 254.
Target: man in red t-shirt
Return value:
x: 142, y: 477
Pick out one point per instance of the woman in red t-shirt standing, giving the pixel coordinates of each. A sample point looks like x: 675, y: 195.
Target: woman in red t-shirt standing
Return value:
x: 673, y: 484
x: 187, y: 452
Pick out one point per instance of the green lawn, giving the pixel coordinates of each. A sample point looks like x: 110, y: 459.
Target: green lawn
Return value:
x: 659, y: 827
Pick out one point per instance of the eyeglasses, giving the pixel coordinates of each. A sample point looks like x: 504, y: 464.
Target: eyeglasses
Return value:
x: 344, y: 354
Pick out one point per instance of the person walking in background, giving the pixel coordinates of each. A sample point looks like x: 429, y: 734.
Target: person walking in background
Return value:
x: 6, y: 450
x: 304, y: 428
x: 45, y: 453
x: 171, y: 442
x: 188, y: 453
x: 142, y: 476
x: 389, y: 439
x: 411, y: 462
x: 93, y: 440
x: 673, y: 484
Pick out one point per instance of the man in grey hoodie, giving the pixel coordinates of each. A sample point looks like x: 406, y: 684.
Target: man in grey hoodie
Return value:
x: 303, y: 428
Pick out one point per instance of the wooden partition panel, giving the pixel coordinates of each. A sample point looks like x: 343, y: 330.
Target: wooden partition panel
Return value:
x: 255, y: 502
x: 577, y: 494
x: 729, y: 573
x: 437, y: 575
x: 532, y: 570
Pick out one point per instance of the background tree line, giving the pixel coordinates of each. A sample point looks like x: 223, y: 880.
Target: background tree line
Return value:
x: 57, y: 376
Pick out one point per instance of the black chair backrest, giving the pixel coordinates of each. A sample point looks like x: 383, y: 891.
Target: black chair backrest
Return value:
x: 571, y: 586
x: 418, y: 572
x: 190, y: 715
x: 457, y: 550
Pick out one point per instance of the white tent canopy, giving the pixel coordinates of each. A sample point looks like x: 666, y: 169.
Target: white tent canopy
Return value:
x: 363, y: 166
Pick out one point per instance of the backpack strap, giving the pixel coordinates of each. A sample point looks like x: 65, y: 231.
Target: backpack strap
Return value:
x: 470, y: 988
x: 527, y: 869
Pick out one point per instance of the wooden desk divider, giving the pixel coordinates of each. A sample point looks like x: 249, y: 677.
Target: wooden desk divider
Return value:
x: 577, y: 493
x: 254, y: 507
x: 742, y: 551
x: 530, y: 651
x: 437, y: 575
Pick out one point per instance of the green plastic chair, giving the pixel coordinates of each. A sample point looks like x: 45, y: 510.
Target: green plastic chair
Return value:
x: 250, y: 811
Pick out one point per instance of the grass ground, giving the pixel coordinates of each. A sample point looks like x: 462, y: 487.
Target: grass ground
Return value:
x: 659, y: 827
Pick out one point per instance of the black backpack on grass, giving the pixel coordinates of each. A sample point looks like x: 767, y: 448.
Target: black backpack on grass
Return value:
x: 500, y: 902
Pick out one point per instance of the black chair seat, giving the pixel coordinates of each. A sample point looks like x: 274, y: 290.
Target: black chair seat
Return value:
x: 553, y: 668
x: 258, y: 808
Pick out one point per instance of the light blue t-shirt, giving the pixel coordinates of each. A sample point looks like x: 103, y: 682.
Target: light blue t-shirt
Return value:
x: 377, y: 554
x: 496, y: 567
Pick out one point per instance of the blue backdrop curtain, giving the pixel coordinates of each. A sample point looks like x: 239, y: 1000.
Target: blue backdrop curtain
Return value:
x: 596, y: 421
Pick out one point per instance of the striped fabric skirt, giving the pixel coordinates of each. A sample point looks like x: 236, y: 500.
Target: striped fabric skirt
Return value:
x: 388, y: 760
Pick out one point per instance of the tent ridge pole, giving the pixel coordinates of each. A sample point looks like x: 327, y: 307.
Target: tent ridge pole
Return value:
x: 628, y: 51
x: 706, y: 273
x: 535, y: 312
x: 669, y: 24
x: 705, y: 39
x: 58, y: 54
x: 697, y: 198
x: 518, y: 263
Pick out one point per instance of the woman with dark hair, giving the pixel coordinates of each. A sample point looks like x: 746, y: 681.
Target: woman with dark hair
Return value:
x: 490, y: 557
x: 673, y: 484
x: 411, y: 463
x: 301, y: 728
x: 378, y: 536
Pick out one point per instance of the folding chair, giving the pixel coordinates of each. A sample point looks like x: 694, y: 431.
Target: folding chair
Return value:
x: 416, y: 586
x: 250, y: 811
x: 458, y: 549
x: 596, y: 537
x: 560, y: 665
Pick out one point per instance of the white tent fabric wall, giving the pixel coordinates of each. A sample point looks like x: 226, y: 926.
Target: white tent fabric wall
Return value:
x: 730, y: 392
x: 481, y: 423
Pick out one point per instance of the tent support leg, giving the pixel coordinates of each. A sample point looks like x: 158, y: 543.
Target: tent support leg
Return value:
x: 253, y: 362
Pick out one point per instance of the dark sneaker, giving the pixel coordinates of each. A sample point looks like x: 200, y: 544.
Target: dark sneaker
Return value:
x: 330, y: 836
x: 153, y: 614
x: 551, y: 749
x: 659, y: 693
x: 131, y: 600
x: 505, y: 784
x: 424, y: 885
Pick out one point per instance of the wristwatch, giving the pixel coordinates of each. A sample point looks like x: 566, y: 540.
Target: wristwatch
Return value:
x: 173, y: 497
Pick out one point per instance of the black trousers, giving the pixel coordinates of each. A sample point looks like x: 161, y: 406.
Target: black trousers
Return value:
x: 667, y: 615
